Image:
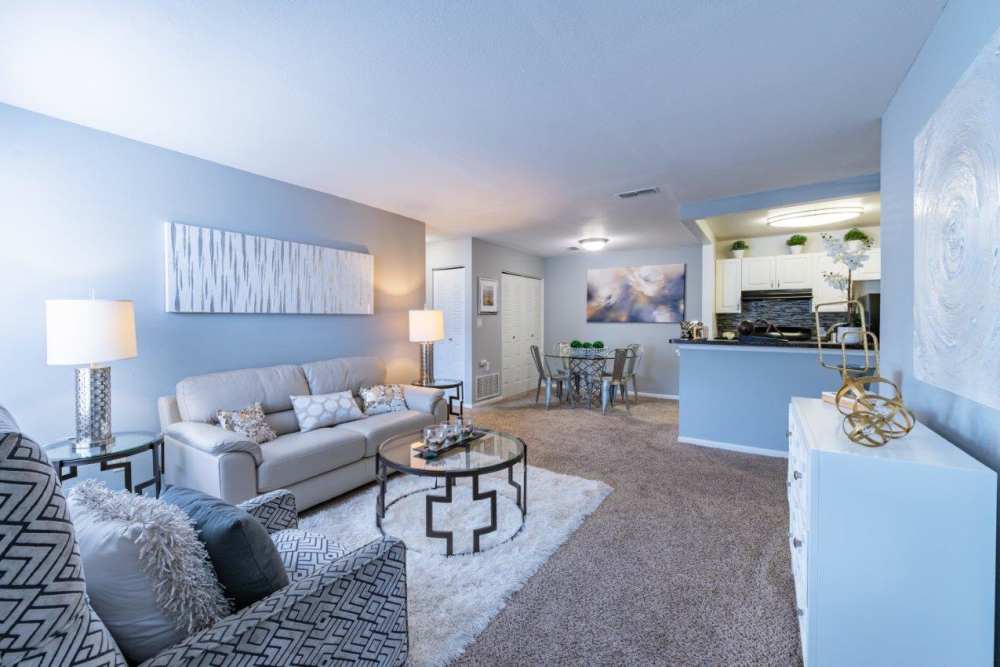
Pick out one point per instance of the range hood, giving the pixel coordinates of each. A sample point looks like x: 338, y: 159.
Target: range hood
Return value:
x: 777, y: 294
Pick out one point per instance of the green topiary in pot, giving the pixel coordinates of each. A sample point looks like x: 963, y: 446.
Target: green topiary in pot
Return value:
x: 796, y: 239
x: 576, y: 344
x: 598, y: 344
x: 587, y: 346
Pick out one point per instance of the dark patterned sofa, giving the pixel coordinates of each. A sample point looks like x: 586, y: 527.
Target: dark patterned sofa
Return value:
x: 339, y: 608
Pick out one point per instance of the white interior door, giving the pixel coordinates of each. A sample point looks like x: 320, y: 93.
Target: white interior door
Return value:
x: 521, y: 327
x: 450, y: 298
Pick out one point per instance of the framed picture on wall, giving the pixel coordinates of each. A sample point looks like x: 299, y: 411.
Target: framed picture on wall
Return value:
x: 488, y: 292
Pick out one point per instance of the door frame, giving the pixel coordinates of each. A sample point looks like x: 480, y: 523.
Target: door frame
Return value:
x: 466, y: 332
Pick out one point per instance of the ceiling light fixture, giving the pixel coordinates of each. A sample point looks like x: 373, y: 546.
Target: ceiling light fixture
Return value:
x: 814, y: 217
x: 593, y: 244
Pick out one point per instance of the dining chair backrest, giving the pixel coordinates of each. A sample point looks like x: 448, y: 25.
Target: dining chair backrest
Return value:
x: 542, y: 370
x: 621, y: 358
x: 634, y: 350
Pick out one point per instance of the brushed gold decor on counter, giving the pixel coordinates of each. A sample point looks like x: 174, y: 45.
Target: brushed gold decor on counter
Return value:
x: 871, y: 418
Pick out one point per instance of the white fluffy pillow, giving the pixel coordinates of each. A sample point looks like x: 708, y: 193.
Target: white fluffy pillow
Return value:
x: 148, y: 575
x: 319, y: 410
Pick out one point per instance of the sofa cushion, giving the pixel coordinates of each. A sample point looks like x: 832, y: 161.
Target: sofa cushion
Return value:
x: 245, y: 559
x: 295, y: 457
x: 304, y: 553
x: 282, y: 422
x: 200, y: 396
x: 379, y: 428
x: 347, y: 373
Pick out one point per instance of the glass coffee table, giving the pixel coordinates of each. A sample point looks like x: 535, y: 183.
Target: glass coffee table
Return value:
x: 491, y: 453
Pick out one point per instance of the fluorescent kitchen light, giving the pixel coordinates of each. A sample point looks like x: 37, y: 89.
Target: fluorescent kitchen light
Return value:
x: 814, y: 217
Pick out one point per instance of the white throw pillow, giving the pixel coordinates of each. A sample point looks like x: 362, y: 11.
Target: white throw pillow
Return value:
x: 148, y: 575
x: 319, y: 410
x: 383, y: 398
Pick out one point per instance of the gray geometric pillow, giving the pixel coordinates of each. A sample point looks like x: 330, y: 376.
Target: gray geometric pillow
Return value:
x: 319, y: 410
x: 248, y: 421
x: 382, y: 398
x: 46, y: 619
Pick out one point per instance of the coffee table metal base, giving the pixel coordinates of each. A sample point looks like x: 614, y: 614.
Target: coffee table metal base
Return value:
x: 430, y: 500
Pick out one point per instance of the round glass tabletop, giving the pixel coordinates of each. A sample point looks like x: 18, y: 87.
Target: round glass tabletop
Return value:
x: 125, y: 443
x: 437, y: 383
x: 494, y: 451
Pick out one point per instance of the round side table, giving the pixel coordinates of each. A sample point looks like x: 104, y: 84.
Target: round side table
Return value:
x: 114, y: 456
x: 457, y: 397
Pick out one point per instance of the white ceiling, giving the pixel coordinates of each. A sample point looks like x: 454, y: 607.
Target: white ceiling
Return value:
x: 749, y: 224
x: 515, y: 121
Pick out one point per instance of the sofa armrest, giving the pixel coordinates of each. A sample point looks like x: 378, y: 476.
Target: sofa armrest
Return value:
x: 274, y: 510
x: 213, y: 439
x: 363, y: 594
x: 422, y: 399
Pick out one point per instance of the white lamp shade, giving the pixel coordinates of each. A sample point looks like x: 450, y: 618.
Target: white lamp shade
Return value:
x: 426, y: 326
x: 89, y: 331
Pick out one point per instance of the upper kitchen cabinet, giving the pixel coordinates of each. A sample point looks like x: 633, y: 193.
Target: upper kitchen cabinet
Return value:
x: 872, y: 269
x: 758, y: 273
x: 728, y: 286
x: 777, y: 272
x: 793, y: 271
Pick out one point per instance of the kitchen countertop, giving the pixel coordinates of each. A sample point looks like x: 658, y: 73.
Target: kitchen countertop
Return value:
x: 776, y: 343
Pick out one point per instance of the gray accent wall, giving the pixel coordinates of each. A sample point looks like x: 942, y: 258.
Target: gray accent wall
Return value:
x: 963, y: 29
x: 84, y: 209
x: 566, y: 310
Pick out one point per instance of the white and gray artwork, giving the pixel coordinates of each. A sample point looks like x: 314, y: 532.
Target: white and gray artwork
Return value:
x: 215, y: 271
x: 956, y: 249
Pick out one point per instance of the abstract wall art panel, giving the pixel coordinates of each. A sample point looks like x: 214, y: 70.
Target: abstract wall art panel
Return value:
x: 215, y: 271
x: 956, y: 248
x: 638, y: 294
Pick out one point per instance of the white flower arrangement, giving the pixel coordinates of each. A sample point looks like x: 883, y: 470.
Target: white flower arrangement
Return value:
x: 837, y: 250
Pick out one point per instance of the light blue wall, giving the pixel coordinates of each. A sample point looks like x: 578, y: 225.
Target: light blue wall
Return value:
x: 740, y: 395
x: 82, y: 209
x: 566, y: 309
x: 960, y: 34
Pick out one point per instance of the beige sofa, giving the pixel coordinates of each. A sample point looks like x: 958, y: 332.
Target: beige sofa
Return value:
x: 316, y: 465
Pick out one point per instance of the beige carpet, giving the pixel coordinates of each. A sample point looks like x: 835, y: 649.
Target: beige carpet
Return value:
x: 685, y: 563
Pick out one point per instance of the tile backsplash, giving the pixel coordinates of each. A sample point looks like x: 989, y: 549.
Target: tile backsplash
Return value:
x: 789, y: 313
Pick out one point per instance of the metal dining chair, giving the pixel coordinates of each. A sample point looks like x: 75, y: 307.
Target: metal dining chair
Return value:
x: 550, y: 379
x: 635, y: 354
x: 615, y: 380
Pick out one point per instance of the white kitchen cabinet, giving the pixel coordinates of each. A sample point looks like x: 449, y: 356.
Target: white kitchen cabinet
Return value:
x: 793, y: 272
x: 893, y: 549
x: 872, y: 269
x: 757, y: 273
x: 728, y: 286
x: 822, y: 292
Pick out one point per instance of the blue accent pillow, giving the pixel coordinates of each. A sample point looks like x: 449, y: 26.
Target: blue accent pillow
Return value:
x: 246, y: 561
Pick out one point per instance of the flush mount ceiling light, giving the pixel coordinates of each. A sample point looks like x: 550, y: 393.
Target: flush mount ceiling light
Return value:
x: 814, y: 217
x: 593, y: 244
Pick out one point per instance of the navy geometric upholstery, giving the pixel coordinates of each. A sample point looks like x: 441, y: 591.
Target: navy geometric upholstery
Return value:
x: 45, y: 618
x: 339, y: 609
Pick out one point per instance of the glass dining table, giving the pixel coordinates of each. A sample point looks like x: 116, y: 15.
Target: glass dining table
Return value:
x: 585, y: 367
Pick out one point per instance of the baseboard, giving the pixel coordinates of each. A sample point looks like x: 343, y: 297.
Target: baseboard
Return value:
x: 715, y: 444
x: 649, y: 394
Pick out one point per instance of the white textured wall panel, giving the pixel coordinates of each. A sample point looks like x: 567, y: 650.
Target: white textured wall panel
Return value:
x: 215, y: 271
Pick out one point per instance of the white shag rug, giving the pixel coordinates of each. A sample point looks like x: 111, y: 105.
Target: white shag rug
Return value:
x: 451, y: 600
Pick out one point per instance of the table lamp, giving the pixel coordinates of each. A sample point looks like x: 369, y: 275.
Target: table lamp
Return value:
x: 426, y: 326
x: 91, y: 332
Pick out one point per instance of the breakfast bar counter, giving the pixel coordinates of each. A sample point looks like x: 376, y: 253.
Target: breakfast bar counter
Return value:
x: 735, y: 394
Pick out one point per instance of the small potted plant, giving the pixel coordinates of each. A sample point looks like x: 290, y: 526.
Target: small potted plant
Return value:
x: 738, y: 248
x: 795, y: 243
x: 588, y: 349
x: 598, y: 348
x: 855, y: 239
x: 576, y: 344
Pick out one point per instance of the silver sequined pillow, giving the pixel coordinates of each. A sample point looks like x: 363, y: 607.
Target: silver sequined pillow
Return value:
x: 319, y: 410
x: 248, y: 421
x: 383, y: 398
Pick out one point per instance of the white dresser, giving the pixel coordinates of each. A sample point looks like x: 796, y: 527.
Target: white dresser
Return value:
x: 893, y: 548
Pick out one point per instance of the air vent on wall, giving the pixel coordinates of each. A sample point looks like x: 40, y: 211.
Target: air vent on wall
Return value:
x: 638, y: 193
x: 487, y: 386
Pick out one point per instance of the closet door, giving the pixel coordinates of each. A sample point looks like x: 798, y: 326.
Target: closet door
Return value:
x: 511, y: 334
x: 450, y: 298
